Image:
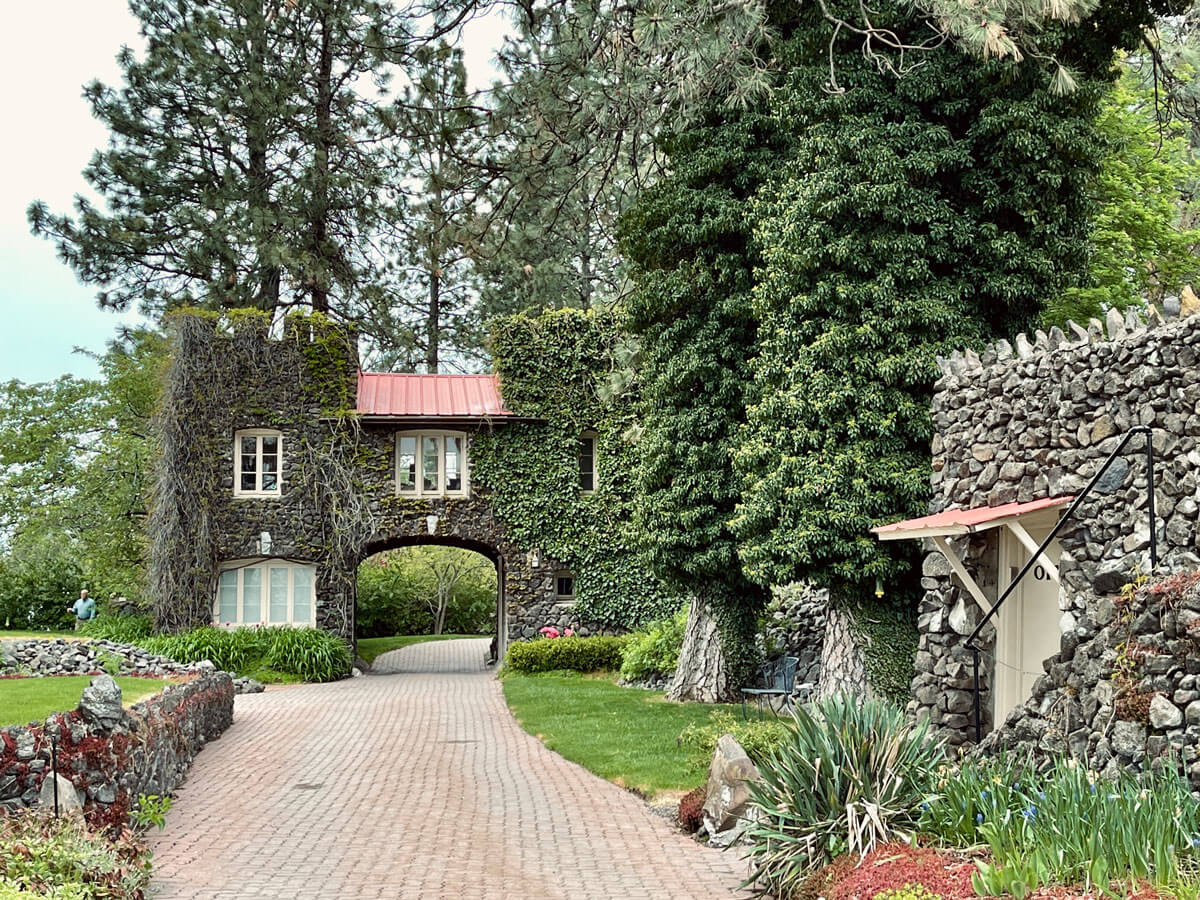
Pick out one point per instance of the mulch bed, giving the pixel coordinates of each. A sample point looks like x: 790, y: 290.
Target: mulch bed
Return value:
x: 944, y: 873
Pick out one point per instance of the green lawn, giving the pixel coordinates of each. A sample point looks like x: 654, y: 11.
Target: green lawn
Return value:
x: 24, y: 700
x: 622, y: 734
x: 369, y: 648
x: 20, y: 635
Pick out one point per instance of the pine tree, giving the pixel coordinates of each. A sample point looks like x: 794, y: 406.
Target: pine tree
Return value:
x: 240, y: 169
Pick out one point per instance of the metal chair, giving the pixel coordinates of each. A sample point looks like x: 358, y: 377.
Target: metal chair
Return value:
x: 774, y: 679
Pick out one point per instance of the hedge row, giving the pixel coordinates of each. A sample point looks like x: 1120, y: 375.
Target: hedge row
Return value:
x: 580, y: 654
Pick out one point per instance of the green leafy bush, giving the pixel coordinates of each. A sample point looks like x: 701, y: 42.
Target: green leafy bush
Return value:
x: 758, y: 737
x: 908, y: 892
x: 580, y: 654
x: 58, y: 859
x: 850, y: 776
x: 655, y: 648
x: 1066, y: 825
x: 122, y: 629
x: 310, y: 653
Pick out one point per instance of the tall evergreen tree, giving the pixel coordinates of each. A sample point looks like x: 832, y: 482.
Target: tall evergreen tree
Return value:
x: 912, y: 215
x: 688, y: 240
x: 241, y: 168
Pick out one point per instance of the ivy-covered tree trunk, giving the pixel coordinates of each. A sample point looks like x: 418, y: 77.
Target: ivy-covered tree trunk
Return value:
x: 843, y: 667
x: 701, y: 674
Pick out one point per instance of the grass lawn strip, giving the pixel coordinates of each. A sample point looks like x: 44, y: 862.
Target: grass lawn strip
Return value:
x: 25, y: 700
x: 625, y: 735
x: 370, y: 648
x: 39, y: 635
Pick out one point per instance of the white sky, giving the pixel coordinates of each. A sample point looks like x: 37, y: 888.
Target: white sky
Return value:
x: 49, y: 52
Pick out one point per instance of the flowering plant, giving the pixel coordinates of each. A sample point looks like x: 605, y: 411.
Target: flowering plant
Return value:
x: 551, y: 632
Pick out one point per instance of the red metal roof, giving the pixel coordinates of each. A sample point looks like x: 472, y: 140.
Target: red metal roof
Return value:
x: 964, y: 521
x: 429, y: 396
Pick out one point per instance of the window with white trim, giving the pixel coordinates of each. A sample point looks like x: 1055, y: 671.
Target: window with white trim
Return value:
x: 258, y: 463
x: 587, y: 462
x: 273, y: 592
x: 431, y: 464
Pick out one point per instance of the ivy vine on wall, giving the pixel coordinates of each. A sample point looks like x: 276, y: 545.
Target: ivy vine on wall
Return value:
x: 550, y: 368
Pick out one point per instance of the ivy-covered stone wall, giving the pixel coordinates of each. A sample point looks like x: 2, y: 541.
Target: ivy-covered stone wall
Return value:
x: 525, y: 510
x: 1035, y: 420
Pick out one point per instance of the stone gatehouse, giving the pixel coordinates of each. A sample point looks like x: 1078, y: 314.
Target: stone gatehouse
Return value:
x: 1019, y: 432
x: 284, y: 466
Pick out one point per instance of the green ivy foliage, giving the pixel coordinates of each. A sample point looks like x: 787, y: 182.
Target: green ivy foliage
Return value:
x: 688, y: 240
x: 888, y: 635
x: 911, y: 216
x: 550, y: 366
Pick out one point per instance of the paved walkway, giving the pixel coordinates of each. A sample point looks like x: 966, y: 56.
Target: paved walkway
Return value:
x: 416, y: 785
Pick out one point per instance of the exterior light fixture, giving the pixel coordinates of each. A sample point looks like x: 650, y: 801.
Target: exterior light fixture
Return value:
x: 534, y: 562
x: 264, y: 543
x: 879, y: 586
x: 431, y: 523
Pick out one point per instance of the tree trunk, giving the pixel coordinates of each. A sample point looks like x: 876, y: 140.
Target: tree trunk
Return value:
x: 843, y: 670
x: 433, y: 324
x: 701, y: 674
x: 320, y: 264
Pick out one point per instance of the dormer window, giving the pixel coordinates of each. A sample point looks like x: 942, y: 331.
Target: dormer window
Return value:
x: 587, y: 462
x: 258, y: 463
x: 431, y: 464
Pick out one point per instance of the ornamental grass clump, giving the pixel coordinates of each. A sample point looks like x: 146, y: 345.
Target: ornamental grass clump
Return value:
x: 1066, y: 825
x: 851, y: 775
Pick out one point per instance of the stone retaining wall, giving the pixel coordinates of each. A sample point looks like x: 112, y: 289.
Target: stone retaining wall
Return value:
x: 1037, y: 420
x: 66, y: 656
x: 795, y: 625
x: 110, y: 754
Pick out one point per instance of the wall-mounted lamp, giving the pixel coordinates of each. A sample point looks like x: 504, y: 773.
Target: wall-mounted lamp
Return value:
x: 264, y: 543
x: 431, y: 523
x: 534, y: 562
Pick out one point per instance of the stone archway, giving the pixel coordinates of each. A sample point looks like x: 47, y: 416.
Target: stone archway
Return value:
x: 482, y: 548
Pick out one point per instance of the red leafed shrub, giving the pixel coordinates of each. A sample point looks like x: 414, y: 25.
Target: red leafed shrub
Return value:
x: 895, y: 865
x: 691, y: 809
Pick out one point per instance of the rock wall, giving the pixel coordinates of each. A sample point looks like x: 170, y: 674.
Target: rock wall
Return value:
x: 64, y: 656
x: 1038, y: 419
x: 795, y: 625
x: 110, y: 755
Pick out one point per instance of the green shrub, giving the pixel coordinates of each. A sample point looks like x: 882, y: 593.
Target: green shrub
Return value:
x: 1066, y: 825
x: 655, y: 648
x: 58, y: 859
x: 311, y: 653
x: 580, y: 654
x: 758, y: 737
x: 850, y: 775
x: 908, y: 892
x: 121, y: 629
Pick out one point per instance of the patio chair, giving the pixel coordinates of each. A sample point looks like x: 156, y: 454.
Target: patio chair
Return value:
x: 775, y: 680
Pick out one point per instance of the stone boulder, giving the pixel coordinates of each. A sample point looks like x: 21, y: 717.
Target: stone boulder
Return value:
x: 728, y: 792
x: 69, y: 802
x: 100, y: 704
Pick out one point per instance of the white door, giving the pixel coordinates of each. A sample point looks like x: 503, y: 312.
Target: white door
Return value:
x: 1027, y: 632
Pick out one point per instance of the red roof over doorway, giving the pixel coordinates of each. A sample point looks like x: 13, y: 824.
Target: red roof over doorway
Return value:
x: 429, y: 396
x: 964, y: 521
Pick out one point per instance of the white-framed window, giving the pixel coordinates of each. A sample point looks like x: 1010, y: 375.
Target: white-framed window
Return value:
x: 431, y: 464
x: 564, y: 586
x: 271, y: 592
x: 257, y: 463
x: 587, y: 462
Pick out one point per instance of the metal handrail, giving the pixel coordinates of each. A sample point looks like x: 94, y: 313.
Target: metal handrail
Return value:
x: 970, y: 643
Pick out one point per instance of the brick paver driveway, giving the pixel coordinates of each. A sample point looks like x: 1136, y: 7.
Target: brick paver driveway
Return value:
x: 417, y: 784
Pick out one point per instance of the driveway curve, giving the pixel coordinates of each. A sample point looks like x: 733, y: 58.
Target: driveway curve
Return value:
x: 416, y: 784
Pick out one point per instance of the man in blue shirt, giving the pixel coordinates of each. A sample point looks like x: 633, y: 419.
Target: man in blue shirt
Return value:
x: 84, y: 609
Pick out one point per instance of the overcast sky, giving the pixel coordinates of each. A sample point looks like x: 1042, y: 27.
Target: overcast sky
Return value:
x: 50, y: 52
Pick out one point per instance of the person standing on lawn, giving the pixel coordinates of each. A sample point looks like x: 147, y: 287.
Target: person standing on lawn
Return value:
x: 84, y: 609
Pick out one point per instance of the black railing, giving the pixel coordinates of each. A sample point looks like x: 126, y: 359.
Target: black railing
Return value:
x: 1137, y: 429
